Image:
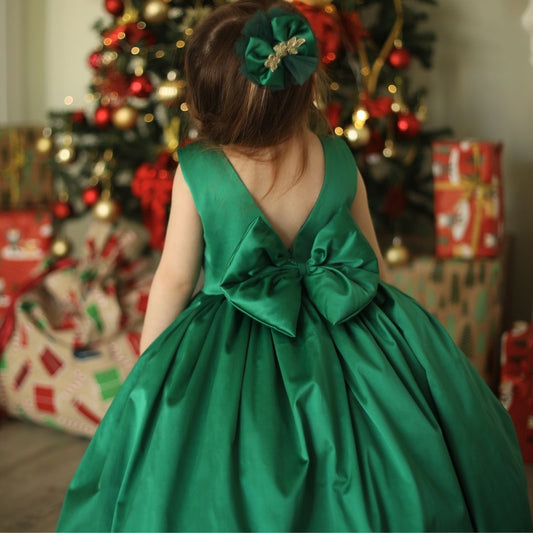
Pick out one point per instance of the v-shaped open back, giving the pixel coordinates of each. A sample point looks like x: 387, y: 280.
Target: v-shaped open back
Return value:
x: 240, y: 184
x: 227, y: 208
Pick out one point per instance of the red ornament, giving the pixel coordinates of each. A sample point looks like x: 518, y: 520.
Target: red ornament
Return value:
x: 408, y: 125
x: 62, y: 210
x: 115, y: 7
x: 78, y: 117
x: 326, y: 26
x: 102, y: 117
x: 140, y: 86
x: 399, y: 58
x: 95, y: 60
x: 134, y: 35
x: 114, y: 36
x: 90, y: 196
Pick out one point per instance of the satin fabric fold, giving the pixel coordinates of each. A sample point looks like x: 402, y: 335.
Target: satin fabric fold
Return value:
x: 264, y: 281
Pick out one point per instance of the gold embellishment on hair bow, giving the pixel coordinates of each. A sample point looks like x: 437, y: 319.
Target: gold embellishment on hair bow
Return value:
x: 283, y: 49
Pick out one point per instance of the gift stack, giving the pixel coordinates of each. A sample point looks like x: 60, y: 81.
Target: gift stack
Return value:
x: 468, y: 199
x: 74, y: 336
x: 516, y: 384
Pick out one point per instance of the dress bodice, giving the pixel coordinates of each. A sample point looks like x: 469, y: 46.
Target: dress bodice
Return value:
x: 330, y: 260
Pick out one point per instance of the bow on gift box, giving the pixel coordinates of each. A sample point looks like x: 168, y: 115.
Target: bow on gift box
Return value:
x: 266, y: 282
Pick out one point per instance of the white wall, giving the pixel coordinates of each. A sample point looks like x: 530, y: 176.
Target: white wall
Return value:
x: 59, y: 37
x: 481, y: 85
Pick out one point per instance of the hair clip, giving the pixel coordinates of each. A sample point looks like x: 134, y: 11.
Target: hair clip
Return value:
x: 277, y: 49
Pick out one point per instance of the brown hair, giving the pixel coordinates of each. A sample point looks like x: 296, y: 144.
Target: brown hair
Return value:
x: 228, y: 108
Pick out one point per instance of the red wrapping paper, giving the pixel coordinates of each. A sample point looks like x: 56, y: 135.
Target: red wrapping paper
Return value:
x: 25, y: 238
x: 516, y: 384
x: 469, y: 212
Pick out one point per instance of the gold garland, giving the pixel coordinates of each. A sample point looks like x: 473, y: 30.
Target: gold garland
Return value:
x: 371, y: 73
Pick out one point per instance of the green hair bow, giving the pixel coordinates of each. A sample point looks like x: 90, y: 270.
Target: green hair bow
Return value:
x: 277, y: 49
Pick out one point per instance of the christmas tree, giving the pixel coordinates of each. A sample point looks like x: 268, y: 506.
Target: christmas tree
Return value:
x: 120, y: 152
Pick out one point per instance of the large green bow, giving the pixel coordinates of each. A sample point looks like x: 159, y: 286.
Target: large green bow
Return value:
x: 264, y: 281
x: 277, y: 49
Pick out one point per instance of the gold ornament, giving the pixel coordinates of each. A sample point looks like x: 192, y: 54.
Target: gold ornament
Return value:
x: 60, y: 247
x: 106, y: 209
x: 171, y: 92
x: 44, y: 145
x: 155, y: 11
x: 397, y: 255
x: 125, y: 117
x: 357, y: 137
x: 66, y: 154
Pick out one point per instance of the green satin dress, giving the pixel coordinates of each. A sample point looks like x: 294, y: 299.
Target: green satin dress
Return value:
x: 297, y: 392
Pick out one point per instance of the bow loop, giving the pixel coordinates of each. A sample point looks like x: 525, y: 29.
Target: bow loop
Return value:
x: 277, y: 49
x: 264, y: 281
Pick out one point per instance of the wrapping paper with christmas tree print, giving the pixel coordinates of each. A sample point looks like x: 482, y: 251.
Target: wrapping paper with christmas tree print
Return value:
x: 25, y: 238
x: 516, y: 383
x: 468, y: 198
x: 25, y: 176
x: 77, y: 334
x: 466, y: 298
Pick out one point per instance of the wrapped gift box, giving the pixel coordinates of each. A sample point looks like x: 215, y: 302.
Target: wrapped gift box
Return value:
x: 468, y: 198
x: 75, y: 335
x: 466, y: 298
x: 25, y: 238
x: 516, y: 384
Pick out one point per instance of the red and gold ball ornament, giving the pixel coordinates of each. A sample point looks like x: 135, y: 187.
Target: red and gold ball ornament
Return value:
x: 140, y: 86
x: 115, y: 7
x: 62, y: 210
x: 90, y: 195
x: 399, y: 58
x: 407, y: 124
x: 102, y: 117
x: 155, y: 11
x: 125, y: 117
x: 95, y: 60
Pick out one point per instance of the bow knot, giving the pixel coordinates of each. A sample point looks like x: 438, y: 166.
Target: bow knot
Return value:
x: 264, y: 281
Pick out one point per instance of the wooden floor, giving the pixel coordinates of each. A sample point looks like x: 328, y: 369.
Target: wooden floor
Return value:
x: 36, y: 465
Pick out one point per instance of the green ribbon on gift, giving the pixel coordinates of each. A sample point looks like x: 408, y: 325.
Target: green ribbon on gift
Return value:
x: 277, y: 49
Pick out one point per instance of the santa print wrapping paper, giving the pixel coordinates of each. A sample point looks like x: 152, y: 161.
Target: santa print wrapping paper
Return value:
x: 516, y: 384
x: 76, y: 335
x: 468, y: 198
x: 25, y: 238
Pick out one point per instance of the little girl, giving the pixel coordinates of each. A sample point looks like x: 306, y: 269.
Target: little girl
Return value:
x: 297, y: 391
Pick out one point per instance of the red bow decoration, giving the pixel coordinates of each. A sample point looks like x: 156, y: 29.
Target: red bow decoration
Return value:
x: 152, y: 183
x: 327, y: 29
x: 376, y: 107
